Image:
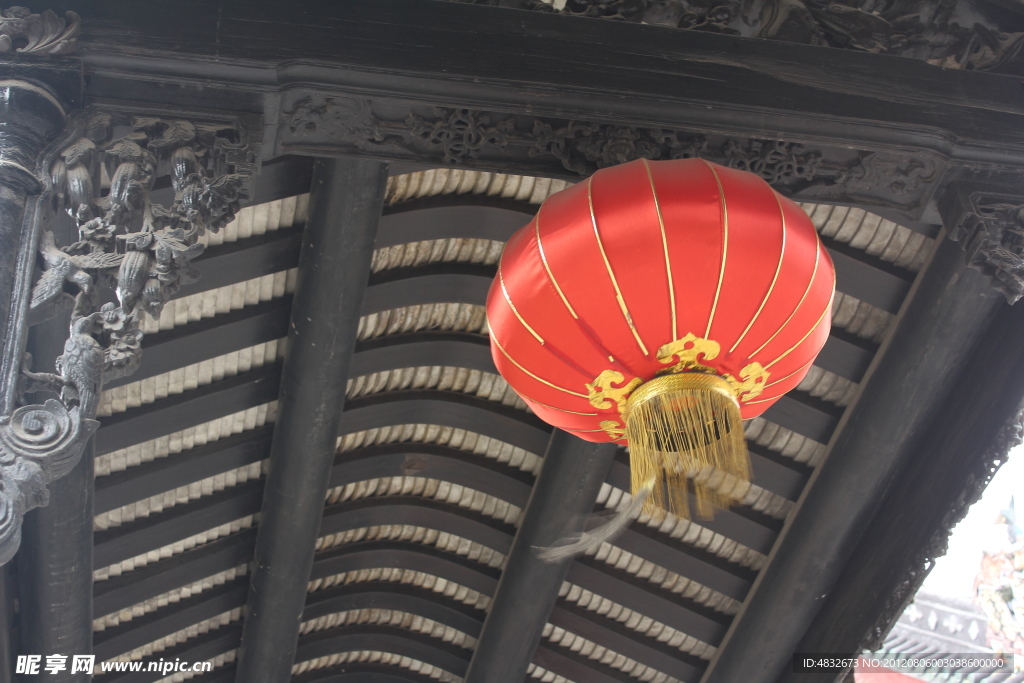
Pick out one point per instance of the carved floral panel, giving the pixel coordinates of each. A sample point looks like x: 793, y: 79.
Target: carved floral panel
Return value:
x: 315, y: 123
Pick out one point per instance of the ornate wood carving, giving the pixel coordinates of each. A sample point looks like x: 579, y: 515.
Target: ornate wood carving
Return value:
x: 1009, y: 437
x: 318, y: 123
x: 128, y: 243
x: 46, y: 33
x: 990, y: 227
x: 963, y: 35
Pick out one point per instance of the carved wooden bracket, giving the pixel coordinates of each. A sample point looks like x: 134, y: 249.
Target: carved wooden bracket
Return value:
x: 989, y: 225
x: 319, y: 123
x: 960, y: 35
x: 128, y: 243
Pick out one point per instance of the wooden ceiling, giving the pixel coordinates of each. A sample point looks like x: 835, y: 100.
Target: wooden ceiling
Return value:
x: 436, y: 459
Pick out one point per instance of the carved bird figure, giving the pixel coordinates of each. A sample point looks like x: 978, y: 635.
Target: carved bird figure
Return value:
x: 81, y: 365
x: 61, y: 267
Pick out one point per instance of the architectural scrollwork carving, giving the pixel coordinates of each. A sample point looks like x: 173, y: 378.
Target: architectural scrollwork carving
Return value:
x: 314, y: 123
x: 965, y: 35
x: 128, y: 243
x: 46, y: 33
x: 38, y: 443
x: 990, y: 227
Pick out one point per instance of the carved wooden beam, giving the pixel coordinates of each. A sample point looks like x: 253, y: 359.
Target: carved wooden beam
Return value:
x: 441, y: 82
x: 321, y: 123
x: 972, y: 34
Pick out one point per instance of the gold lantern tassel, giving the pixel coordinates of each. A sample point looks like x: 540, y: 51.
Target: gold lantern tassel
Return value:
x: 678, y: 425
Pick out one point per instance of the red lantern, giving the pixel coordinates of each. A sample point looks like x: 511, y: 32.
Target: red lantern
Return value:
x: 658, y: 304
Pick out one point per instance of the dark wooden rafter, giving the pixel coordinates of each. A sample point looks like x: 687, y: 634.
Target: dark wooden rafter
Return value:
x: 362, y: 673
x: 971, y: 436
x: 873, y: 447
x: 345, y: 204
x: 406, y: 555
x: 566, y: 489
x: 121, y: 592
x: 157, y: 625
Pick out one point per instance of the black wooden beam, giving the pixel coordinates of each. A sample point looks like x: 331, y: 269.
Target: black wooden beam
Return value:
x: 875, y: 442
x: 945, y: 474
x: 566, y: 490
x: 337, y: 247
x: 464, y: 55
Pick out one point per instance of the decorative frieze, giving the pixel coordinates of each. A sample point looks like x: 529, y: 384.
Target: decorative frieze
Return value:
x: 315, y: 123
x: 962, y: 35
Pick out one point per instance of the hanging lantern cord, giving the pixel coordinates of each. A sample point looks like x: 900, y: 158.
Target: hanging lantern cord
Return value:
x: 590, y: 540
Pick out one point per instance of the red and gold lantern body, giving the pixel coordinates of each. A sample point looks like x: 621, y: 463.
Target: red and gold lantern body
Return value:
x: 653, y: 268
